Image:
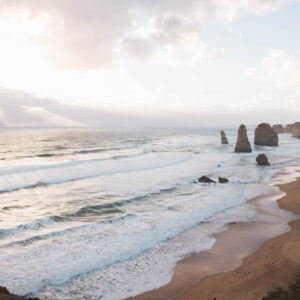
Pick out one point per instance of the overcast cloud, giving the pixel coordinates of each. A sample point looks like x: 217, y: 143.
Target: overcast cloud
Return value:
x: 92, y: 34
x: 20, y: 109
x: 148, y: 62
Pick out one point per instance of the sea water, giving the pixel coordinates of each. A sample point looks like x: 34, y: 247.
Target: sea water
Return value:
x: 106, y: 214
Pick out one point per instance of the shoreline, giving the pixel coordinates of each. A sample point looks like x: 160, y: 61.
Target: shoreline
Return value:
x: 198, y: 276
x: 241, y: 252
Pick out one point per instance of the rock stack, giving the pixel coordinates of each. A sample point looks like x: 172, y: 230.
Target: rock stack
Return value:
x: 265, y: 135
x: 242, y: 143
x: 262, y: 160
x: 278, y: 128
x: 289, y: 128
x: 6, y: 295
x: 223, y: 138
x: 296, y: 130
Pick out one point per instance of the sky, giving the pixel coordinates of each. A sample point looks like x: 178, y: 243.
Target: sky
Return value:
x: 149, y: 63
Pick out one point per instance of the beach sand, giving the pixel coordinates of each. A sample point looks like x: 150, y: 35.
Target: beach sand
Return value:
x: 246, y: 262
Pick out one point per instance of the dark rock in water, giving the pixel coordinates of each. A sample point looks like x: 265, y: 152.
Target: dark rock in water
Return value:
x: 296, y: 130
x: 278, y: 128
x: 262, y: 160
x: 3, y: 291
x: 265, y: 135
x: 6, y: 295
x: 205, y: 179
x: 242, y: 144
x: 288, y: 128
x: 223, y: 180
x: 224, y: 139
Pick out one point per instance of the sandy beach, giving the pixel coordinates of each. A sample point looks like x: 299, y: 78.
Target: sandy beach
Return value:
x: 247, y: 261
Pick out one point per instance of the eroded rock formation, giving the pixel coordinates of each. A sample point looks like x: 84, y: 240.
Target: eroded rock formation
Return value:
x: 289, y: 128
x: 296, y: 130
x: 278, y: 128
x: 265, y: 135
x: 223, y: 180
x: 224, y: 139
x: 242, y: 143
x: 6, y: 295
x: 262, y: 160
x: 205, y: 179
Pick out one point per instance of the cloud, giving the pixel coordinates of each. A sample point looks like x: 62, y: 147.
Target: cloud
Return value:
x: 169, y: 40
x: 280, y: 67
x: 86, y: 35
x: 228, y: 10
x: 74, y: 34
x: 18, y: 109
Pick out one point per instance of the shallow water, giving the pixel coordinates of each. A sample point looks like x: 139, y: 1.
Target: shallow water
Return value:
x: 93, y: 214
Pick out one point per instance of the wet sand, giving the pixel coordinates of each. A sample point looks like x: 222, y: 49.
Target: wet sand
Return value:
x: 248, y: 259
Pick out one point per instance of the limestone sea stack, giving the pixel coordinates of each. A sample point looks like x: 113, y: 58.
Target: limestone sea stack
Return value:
x: 296, y: 130
x: 265, y: 135
x: 288, y: 128
x: 278, y: 128
x: 224, y: 139
x: 262, y: 160
x: 242, y: 143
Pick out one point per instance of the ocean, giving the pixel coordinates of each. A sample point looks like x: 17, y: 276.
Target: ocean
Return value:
x: 106, y: 214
